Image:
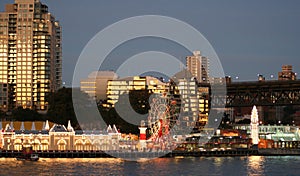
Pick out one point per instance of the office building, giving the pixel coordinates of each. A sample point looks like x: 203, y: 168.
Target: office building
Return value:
x: 30, y: 54
x: 115, y: 88
x: 96, y: 84
x: 195, y: 103
x: 190, y: 103
x: 194, y: 99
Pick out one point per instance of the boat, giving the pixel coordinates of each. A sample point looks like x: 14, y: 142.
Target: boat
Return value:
x: 28, y: 155
x: 32, y: 157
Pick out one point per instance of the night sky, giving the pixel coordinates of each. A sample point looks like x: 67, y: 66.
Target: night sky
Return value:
x: 250, y: 37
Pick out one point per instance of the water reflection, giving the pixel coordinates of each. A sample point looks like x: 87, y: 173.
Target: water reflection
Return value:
x: 252, y: 165
x: 218, y: 161
x: 256, y: 165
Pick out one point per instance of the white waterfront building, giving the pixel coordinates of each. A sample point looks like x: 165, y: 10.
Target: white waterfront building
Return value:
x: 45, y: 136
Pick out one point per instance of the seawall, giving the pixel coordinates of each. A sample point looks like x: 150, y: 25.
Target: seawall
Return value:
x: 137, y: 154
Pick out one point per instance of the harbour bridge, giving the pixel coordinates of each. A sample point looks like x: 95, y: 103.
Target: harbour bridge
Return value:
x: 259, y: 93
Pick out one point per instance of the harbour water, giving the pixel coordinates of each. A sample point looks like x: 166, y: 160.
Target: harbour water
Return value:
x: 247, y: 165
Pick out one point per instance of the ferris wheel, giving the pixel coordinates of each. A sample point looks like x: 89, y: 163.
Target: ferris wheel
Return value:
x: 163, y: 116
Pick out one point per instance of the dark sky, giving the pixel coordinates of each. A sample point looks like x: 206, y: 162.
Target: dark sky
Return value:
x: 250, y: 37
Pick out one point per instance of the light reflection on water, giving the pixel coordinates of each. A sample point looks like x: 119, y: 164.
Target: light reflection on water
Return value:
x: 256, y: 165
x: 253, y: 165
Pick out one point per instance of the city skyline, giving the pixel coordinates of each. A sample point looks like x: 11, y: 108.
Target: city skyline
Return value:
x: 250, y: 37
x: 153, y: 97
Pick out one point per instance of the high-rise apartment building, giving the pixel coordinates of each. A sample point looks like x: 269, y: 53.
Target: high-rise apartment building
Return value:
x: 30, y: 54
x: 198, y: 66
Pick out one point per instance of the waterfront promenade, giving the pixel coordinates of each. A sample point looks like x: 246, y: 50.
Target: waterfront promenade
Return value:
x: 162, y: 154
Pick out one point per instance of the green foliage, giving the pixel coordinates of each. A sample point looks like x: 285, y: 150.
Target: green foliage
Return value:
x: 61, y: 107
x: 2, y: 114
x: 139, y: 101
x: 21, y: 114
x: 134, y: 105
x: 61, y: 110
x: 112, y: 117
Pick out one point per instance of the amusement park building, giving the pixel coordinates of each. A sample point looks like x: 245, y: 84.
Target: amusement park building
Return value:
x: 48, y: 136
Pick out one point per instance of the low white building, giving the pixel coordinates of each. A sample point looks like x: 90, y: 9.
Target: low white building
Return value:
x: 46, y: 136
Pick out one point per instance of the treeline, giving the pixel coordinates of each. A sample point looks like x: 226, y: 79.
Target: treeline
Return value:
x: 61, y: 110
x: 127, y: 114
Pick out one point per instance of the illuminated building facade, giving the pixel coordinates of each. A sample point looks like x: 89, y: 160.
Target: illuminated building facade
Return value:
x: 30, y: 54
x: 117, y: 87
x: 254, y: 126
x: 188, y: 94
x: 46, y: 136
x: 287, y: 73
x: 96, y: 84
x: 203, y: 97
x: 195, y: 101
x: 274, y: 136
x: 198, y: 66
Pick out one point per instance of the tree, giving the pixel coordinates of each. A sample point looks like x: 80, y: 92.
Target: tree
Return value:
x: 2, y: 114
x: 21, y: 114
x: 61, y: 107
x: 111, y: 117
x: 133, y: 107
x: 139, y: 100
